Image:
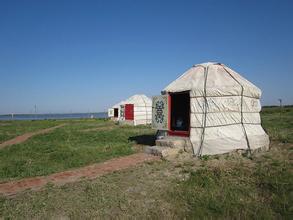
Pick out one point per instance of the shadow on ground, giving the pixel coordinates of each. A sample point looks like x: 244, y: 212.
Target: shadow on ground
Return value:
x: 144, y: 139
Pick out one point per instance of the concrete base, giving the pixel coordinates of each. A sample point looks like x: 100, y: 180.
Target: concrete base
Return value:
x: 175, y: 142
x: 163, y: 152
x: 170, y: 146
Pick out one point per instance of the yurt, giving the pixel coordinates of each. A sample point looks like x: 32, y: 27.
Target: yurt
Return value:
x: 214, y: 108
x: 114, y: 111
x: 136, y: 110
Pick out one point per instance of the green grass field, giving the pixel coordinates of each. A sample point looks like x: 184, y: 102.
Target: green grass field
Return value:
x: 227, y: 186
x: 78, y: 143
x: 11, y: 129
x: 278, y: 122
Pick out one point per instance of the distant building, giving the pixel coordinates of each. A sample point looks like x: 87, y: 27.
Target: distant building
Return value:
x: 114, y: 111
x: 136, y: 110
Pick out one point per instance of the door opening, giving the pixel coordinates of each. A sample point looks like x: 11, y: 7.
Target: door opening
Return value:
x: 115, y: 112
x: 180, y: 114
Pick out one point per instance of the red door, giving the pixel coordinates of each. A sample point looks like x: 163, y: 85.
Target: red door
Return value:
x: 129, y: 113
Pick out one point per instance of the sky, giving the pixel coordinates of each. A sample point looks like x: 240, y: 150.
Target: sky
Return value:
x: 85, y: 56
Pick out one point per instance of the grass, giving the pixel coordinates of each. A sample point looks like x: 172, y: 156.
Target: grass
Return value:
x: 258, y: 189
x: 278, y: 122
x: 11, y: 129
x: 214, y: 188
x: 231, y: 188
x: 78, y: 143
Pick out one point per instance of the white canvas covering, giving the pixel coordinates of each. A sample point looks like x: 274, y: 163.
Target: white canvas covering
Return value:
x: 142, y: 109
x: 224, y: 109
x: 110, y: 112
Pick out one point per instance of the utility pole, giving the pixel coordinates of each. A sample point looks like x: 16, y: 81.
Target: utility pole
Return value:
x: 280, y: 100
x: 35, y: 111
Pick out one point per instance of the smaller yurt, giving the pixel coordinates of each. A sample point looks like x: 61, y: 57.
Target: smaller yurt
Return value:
x: 114, y: 111
x: 213, y: 108
x: 136, y: 110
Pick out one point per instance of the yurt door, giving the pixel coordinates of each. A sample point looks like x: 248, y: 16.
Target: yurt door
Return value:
x: 180, y: 114
x: 129, y: 112
x: 160, y: 112
x: 116, y: 112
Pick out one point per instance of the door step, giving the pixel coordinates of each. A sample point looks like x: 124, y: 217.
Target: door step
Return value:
x: 163, y: 151
x: 170, y: 146
x: 175, y: 142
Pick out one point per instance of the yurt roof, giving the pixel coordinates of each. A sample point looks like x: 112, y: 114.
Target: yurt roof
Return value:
x: 118, y: 104
x: 213, y: 79
x: 139, y: 99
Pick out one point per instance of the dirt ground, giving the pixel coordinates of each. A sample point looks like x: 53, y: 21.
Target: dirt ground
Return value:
x: 24, y: 137
x: 88, y: 172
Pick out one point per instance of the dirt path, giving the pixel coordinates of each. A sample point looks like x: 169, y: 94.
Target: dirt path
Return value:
x: 24, y: 137
x: 88, y: 172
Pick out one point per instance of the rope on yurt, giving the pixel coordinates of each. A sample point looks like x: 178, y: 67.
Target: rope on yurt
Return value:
x: 145, y: 110
x: 242, y: 91
x: 192, y: 145
x: 199, y: 151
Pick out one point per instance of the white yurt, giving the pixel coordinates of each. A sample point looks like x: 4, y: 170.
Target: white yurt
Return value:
x: 136, y: 110
x: 214, y: 107
x: 114, y: 111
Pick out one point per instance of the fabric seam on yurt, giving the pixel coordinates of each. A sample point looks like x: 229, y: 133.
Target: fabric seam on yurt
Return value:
x: 215, y: 96
x: 214, y: 126
x: 145, y: 108
x: 206, y: 70
x: 241, y: 108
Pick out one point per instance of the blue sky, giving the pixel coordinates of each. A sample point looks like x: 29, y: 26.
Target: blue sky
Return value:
x: 80, y: 56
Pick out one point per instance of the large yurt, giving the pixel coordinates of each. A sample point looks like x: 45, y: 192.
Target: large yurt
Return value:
x: 114, y: 111
x: 136, y: 110
x: 214, y: 107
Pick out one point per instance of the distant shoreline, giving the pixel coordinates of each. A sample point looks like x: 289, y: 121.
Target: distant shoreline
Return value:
x: 53, y: 116
x: 51, y: 113
x: 276, y: 106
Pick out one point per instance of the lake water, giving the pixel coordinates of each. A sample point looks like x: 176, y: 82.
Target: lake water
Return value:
x: 53, y: 116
